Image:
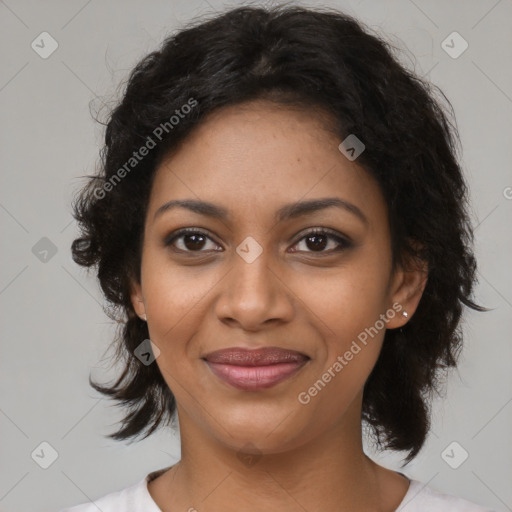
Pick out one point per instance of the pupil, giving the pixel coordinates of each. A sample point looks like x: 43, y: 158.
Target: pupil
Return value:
x: 320, y: 246
x: 197, y: 241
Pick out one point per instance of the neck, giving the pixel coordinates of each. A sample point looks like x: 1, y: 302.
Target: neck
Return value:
x: 330, y: 473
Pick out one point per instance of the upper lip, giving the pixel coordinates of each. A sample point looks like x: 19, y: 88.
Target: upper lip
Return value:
x: 241, y: 356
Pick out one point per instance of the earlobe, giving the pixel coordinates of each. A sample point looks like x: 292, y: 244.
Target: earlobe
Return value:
x: 137, y: 300
x: 408, y: 287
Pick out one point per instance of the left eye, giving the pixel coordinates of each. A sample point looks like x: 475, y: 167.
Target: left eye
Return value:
x: 319, y: 240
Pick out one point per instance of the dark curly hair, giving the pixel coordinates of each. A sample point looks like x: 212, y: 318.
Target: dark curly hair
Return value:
x: 317, y: 59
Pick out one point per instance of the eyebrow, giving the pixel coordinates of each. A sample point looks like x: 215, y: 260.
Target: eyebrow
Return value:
x: 286, y: 212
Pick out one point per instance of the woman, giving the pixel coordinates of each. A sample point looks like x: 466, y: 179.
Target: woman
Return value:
x: 280, y: 222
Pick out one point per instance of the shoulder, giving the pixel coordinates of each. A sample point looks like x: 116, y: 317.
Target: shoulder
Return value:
x: 134, y: 498
x: 421, y: 498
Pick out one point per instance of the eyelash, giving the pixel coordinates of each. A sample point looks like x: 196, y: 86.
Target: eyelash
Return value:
x: 343, y: 242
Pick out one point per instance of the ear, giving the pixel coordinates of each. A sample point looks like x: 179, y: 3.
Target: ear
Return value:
x: 407, y: 286
x: 137, y: 300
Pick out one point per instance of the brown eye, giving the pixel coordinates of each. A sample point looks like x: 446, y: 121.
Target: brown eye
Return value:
x: 190, y: 240
x: 321, y: 239
x: 194, y: 242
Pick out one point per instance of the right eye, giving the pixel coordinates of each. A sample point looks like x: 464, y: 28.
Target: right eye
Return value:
x: 189, y: 240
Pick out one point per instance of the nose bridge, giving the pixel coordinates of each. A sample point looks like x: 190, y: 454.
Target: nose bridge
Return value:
x: 253, y: 293
x: 252, y: 279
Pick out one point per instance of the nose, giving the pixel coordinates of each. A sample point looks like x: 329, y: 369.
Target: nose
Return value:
x: 254, y: 295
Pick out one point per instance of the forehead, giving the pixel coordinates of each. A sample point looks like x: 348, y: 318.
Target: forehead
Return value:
x: 254, y: 157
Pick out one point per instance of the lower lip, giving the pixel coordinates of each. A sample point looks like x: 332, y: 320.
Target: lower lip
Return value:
x: 253, y: 378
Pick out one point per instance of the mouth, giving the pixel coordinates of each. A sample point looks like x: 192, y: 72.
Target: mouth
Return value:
x: 255, y: 369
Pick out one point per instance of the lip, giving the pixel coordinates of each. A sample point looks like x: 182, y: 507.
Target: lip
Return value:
x: 255, y: 369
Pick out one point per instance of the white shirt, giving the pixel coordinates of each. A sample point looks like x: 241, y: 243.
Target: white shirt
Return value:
x: 136, y: 498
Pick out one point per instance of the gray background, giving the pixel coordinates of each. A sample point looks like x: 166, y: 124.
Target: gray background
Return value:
x: 54, y: 331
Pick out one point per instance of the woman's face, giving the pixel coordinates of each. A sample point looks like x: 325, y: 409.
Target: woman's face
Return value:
x: 254, y: 278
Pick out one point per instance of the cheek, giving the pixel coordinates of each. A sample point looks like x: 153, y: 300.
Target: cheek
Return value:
x: 173, y: 292
x: 175, y: 303
x: 345, y: 301
x: 345, y: 309
x: 352, y: 334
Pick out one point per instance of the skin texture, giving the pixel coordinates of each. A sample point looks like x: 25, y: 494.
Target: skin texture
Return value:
x: 252, y: 159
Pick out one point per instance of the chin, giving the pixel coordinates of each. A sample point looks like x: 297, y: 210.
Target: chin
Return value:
x: 259, y: 435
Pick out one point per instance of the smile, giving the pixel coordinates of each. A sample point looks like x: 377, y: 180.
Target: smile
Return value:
x: 252, y: 370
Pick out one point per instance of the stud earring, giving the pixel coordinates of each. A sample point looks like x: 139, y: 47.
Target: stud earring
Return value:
x: 144, y: 317
x: 405, y: 314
